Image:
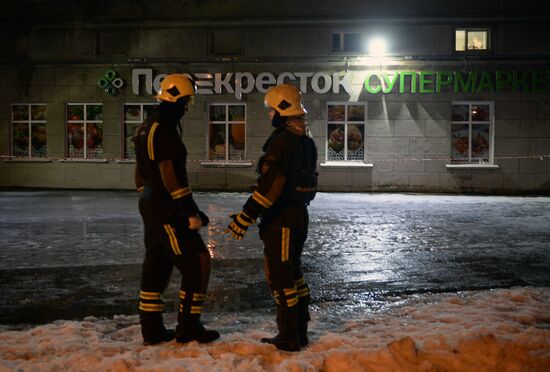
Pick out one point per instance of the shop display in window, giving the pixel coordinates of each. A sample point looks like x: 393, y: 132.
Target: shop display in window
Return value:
x: 346, y: 132
x: 471, y: 132
x: 85, y: 131
x: 29, y: 136
x: 226, y: 132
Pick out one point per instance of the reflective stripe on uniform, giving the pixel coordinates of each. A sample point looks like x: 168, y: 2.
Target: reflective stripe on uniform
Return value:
x: 262, y: 200
x: 196, y: 309
x: 243, y: 222
x: 180, y: 193
x: 291, y: 301
x: 182, y: 294
x: 149, y: 295
x: 290, y: 291
x: 285, y: 242
x: 199, y: 296
x: 301, y: 285
x: 173, y: 240
x: 151, y: 307
x: 303, y: 292
x: 150, y: 137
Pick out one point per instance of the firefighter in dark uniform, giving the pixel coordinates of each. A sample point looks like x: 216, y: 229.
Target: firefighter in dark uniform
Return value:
x: 286, y: 184
x: 171, y: 220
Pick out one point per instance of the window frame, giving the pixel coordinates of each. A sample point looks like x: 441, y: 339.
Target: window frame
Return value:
x: 84, y: 122
x: 30, y: 122
x: 472, y: 29
x: 226, y: 122
x: 470, y: 123
x: 341, y: 50
x: 346, y: 123
x: 123, y: 120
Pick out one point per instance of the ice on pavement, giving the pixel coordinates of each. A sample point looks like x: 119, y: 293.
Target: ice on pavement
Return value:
x: 398, y: 282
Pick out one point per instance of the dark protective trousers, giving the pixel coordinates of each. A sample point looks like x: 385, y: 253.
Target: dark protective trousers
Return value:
x: 284, y: 236
x: 169, y: 243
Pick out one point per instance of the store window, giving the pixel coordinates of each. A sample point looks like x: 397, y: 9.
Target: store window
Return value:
x: 471, y: 39
x: 134, y: 115
x: 85, y: 130
x: 347, y: 42
x: 226, y: 132
x: 346, y: 131
x: 472, y: 132
x: 29, y: 130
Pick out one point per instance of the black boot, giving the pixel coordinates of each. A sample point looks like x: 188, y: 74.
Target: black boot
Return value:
x: 189, y: 326
x: 153, y: 330
x: 303, y: 319
x: 167, y: 335
x: 287, y: 322
x: 195, y: 331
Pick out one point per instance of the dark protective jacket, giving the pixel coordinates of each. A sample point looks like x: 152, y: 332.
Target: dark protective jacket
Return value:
x: 161, y: 166
x: 287, y: 173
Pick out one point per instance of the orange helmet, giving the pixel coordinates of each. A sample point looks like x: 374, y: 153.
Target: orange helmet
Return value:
x: 174, y: 87
x: 286, y: 99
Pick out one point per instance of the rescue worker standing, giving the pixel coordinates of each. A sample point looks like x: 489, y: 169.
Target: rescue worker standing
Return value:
x: 171, y: 220
x: 286, y: 184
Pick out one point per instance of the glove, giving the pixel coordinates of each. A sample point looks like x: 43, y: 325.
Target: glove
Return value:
x: 195, y: 222
x: 239, y: 225
x: 204, y: 218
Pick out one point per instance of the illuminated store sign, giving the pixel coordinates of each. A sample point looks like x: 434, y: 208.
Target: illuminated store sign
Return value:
x: 240, y: 83
x: 434, y: 82
x: 457, y: 82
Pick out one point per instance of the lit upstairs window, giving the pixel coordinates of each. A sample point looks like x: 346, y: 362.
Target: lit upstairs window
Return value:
x: 471, y: 39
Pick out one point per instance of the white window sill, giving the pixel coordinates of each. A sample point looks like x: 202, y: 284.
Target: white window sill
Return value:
x: 27, y: 160
x: 226, y: 164
x: 346, y: 165
x: 125, y: 161
x: 81, y: 160
x: 472, y: 166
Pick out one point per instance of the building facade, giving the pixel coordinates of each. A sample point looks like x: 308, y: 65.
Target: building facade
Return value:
x: 414, y: 96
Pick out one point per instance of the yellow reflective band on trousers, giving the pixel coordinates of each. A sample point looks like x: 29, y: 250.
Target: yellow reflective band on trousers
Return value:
x: 199, y: 296
x: 180, y: 193
x: 285, y: 242
x: 302, y: 287
x: 196, y: 309
x: 150, y: 137
x: 262, y: 200
x: 290, y: 291
x: 173, y: 240
x: 291, y: 301
x: 149, y: 295
x: 182, y: 295
x: 151, y: 307
x: 291, y: 297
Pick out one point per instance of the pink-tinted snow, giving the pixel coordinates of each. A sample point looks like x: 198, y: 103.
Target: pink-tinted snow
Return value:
x: 497, y: 330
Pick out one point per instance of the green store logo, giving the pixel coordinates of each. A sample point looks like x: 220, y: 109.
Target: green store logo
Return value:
x: 110, y: 83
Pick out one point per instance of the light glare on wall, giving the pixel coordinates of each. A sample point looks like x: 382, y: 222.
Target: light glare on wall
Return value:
x: 377, y: 47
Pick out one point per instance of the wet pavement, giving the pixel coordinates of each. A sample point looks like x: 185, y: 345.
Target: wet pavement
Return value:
x: 69, y: 254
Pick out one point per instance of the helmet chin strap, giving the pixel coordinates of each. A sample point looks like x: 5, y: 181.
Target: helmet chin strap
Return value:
x: 278, y: 120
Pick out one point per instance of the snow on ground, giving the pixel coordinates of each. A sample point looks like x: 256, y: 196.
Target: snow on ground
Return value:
x: 496, y: 330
